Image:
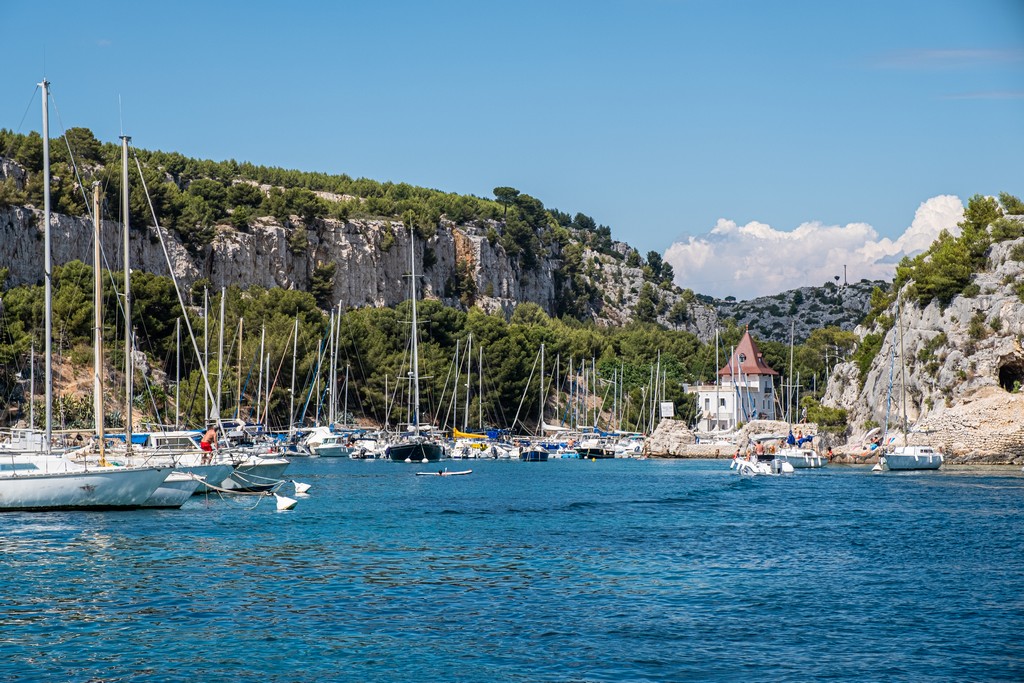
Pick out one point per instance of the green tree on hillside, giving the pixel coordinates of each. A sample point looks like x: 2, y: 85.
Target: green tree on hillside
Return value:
x: 1011, y: 204
x: 506, y: 196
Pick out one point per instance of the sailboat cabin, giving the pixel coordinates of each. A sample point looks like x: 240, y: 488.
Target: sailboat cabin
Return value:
x: 745, y: 391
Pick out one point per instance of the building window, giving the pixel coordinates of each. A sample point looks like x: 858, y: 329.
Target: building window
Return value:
x: 721, y: 402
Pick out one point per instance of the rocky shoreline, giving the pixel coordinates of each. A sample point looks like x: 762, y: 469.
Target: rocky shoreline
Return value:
x: 672, y: 439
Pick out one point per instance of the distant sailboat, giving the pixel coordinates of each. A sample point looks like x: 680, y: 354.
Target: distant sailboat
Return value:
x: 905, y: 457
x: 414, y: 446
x: 797, y: 454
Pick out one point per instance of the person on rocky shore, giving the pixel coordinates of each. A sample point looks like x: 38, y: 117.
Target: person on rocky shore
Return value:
x: 872, y: 447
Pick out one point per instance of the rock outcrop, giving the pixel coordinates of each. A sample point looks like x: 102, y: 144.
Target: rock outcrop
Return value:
x: 959, y: 368
x: 807, y: 308
x: 673, y: 439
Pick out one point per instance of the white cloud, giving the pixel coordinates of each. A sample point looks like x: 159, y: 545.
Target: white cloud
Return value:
x: 752, y: 260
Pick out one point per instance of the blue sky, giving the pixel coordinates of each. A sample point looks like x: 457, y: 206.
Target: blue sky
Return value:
x: 668, y: 120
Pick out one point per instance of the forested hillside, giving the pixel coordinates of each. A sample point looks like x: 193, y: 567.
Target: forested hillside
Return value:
x: 801, y: 311
x: 287, y: 245
x: 239, y: 224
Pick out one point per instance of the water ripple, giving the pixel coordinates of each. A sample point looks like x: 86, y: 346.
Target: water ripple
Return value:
x: 570, y: 571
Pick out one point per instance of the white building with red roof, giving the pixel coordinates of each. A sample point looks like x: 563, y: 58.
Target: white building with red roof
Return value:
x: 745, y: 391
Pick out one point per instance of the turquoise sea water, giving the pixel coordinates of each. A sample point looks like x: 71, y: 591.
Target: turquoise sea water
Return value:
x: 560, y: 571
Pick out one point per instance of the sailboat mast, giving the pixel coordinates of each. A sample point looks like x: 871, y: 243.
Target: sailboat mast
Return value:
x: 718, y: 384
x: 97, y: 304
x: 480, y: 392
x: 31, y: 386
x: 622, y: 393
x: 903, y: 373
x: 295, y: 353
x: 469, y: 368
x: 415, y: 343
x: 47, y: 266
x: 332, y: 376
x: 455, y: 390
x: 177, y: 373
x: 735, y: 383
x: 238, y: 379
x: 615, y: 397
x: 128, y: 366
x: 540, y: 408
x: 220, y: 353
x: 259, y: 386
x: 206, y: 350
x: 789, y: 394
x: 265, y: 419
x: 344, y: 413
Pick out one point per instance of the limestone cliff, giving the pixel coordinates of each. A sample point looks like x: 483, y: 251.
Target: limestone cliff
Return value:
x: 371, y: 258
x: 962, y: 367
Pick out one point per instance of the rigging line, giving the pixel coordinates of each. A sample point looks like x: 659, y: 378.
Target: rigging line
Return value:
x: 277, y: 375
x: 526, y: 388
x: 31, y: 101
x: 71, y: 155
x: 359, y: 363
x: 208, y: 391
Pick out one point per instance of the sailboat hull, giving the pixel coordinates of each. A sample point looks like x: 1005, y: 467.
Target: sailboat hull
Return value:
x: 414, y: 452
x: 100, y: 489
x: 177, y: 488
x: 800, y: 458
x: 899, y: 462
x: 534, y: 455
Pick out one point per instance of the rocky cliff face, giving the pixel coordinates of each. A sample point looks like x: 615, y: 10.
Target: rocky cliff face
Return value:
x: 371, y: 258
x: 808, y: 308
x: 962, y: 368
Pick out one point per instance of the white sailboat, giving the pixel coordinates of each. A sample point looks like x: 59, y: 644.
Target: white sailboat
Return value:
x: 37, y: 479
x: 905, y: 457
x: 797, y: 455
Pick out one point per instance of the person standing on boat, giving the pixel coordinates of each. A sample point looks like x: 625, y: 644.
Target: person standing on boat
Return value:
x: 759, y: 450
x: 208, y: 442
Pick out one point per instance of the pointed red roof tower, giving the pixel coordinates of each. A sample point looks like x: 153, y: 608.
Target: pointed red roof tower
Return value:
x: 747, y: 360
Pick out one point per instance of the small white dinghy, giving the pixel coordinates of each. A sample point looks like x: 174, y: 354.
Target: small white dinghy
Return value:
x: 443, y: 473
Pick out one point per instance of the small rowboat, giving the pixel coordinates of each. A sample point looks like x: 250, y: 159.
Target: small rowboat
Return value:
x: 443, y: 473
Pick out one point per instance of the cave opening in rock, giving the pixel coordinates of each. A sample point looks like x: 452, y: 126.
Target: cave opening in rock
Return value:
x: 1011, y: 375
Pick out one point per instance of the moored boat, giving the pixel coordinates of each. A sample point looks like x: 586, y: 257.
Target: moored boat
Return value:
x: 800, y: 458
x: 417, y: 445
x: 903, y: 458
x: 533, y: 453
x: 414, y: 449
x: 177, y: 488
x: 46, y: 482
